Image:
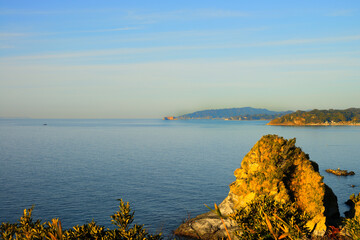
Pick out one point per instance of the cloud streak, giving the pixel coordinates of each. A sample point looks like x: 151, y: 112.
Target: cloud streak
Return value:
x: 129, y: 51
x: 17, y: 35
x: 342, y: 13
x: 11, y: 11
x: 311, y: 40
x: 183, y: 15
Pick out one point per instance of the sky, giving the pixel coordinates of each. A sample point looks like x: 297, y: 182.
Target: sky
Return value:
x: 149, y: 59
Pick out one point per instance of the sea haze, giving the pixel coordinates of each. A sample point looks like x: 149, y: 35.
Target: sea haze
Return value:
x: 76, y: 170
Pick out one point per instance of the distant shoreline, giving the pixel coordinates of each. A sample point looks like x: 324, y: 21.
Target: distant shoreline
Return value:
x: 315, y: 124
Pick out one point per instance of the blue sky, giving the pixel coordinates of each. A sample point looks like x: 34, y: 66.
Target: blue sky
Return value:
x: 148, y: 59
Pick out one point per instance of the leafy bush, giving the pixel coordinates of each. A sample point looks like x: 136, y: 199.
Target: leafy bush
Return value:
x: 352, y: 225
x: 265, y: 218
x: 26, y: 228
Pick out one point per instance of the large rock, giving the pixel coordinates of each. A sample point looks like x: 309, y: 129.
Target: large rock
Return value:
x: 274, y: 166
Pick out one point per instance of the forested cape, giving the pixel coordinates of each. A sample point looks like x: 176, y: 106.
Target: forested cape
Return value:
x: 258, y: 116
x: 349, y: 116
x: 232, y: 113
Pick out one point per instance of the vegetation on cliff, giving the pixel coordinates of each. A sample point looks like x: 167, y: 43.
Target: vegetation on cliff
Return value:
x: 26, y: 228
x: 349, y: 116
x: 265, y: 218
x: 352, y: 224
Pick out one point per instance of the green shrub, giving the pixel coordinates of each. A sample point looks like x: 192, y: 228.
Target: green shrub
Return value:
x: 265, y: 218
x: 123, y: 219
x: 352, y: 225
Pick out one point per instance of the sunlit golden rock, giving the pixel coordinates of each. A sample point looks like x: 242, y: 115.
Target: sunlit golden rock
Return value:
x: 276, y: 167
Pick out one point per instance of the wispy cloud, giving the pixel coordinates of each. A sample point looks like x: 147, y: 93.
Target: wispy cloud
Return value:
x: 100, y: 53
x: 205, y: 66
x: 137, y: 14
x: 8, y: 34
x: 342, y: 13
x: 219, y: 13
x: 31, y: 12
x: 89, y: 31
x: 308, y: 41
x: 32, y: 34
x: 183, y: 15
x: 6, y: 46
x: 110, y: 30
x: 5, y: 11
x: 129, y: 51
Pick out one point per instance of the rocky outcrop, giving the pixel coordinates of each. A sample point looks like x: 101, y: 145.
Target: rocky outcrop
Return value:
x: 209, y: 225
x: 276, y: 167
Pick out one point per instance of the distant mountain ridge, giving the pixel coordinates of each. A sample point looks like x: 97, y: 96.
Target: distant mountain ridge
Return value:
x: 227, y: 113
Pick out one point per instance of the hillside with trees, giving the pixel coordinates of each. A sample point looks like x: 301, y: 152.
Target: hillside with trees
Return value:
x: 257, y: 116
x: 317, y: 117
x: 227, y: 113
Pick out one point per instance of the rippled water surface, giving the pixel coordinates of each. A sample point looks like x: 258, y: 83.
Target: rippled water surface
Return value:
x: 77, y: 169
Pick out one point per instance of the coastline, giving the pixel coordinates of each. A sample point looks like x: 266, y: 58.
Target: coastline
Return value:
x: 314, y: 124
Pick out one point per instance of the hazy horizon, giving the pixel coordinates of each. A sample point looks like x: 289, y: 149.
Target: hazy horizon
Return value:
x: 148, y: 59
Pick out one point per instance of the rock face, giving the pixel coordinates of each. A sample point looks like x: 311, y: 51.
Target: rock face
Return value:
x: 274, y: 166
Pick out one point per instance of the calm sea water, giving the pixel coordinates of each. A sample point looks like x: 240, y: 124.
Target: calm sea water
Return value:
x: 76, y: 170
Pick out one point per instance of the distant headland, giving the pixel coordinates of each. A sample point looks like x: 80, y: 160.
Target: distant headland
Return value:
x: 236, y: 114
x: 350, y: 116
x: 170, y: 118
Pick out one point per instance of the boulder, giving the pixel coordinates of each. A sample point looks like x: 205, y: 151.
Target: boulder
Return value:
x: 276, y: 167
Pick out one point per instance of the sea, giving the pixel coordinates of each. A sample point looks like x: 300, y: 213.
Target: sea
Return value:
x: 77, y: 169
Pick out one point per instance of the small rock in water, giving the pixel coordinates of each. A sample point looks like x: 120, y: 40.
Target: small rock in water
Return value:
x: 339, y: 172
